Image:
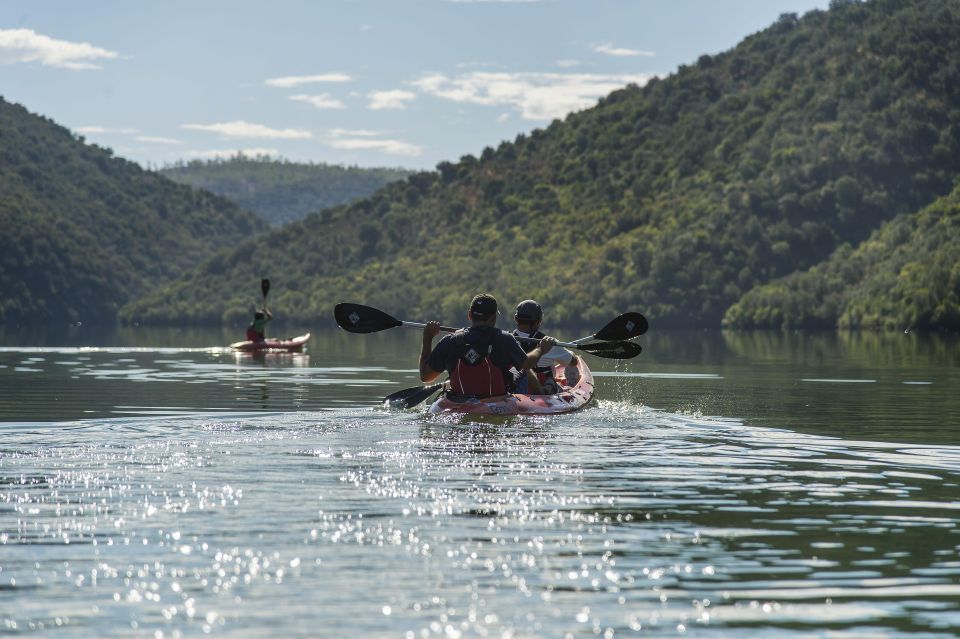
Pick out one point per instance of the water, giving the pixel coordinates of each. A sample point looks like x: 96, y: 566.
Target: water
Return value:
x: 723, y: 485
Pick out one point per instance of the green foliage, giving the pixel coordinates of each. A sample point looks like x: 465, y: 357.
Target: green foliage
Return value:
x: 280, y: 191
x: 906, y: 275
x: 84, y: 232
x: 675, y: 198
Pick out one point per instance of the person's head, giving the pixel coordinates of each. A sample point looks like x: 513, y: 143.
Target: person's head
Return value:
x: 483, y: 309
x: 528, y: 316
x: 258, y: 315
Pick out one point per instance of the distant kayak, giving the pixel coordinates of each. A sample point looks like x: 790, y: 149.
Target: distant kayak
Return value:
x: 568, y: 400
x: 292, y: 345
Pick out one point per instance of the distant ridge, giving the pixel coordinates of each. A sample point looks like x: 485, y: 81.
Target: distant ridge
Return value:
x: 85, y: 232
x: 281, y: 191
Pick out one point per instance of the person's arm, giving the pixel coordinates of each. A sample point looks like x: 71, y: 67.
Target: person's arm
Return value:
x: 542, y: 348
x: 427, y: 374
x: 533, y: 384
x: 267, y: 314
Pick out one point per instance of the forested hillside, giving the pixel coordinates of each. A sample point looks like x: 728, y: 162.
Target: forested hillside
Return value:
x: 280, y: 191
x: 904, y: 276
x: 84, y: 232
x: 676, y: 198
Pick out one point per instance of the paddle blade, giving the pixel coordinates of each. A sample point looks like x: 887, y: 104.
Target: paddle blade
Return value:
x: 265, y: 287
x: 358, y: 318
x: 612, y: 350
x: 410, y: 397
x: 626, y: 326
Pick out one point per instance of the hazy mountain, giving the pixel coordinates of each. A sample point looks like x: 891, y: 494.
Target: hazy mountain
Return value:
x: 280, y: 191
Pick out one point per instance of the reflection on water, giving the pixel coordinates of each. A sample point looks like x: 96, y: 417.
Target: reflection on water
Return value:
x: 175, y: 491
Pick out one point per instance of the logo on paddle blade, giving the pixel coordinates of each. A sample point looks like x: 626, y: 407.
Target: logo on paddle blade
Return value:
x: 630, y: 326
x: 472, y: 356
x: 354, y: 318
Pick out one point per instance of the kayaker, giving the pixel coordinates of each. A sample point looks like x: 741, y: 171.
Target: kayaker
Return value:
x: 539, y: 380
x: 256, y: 332
x: 478, y: 359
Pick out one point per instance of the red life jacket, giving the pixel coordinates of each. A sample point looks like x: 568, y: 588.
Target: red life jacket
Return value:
x: 473, y: 372
x: 253, y: 335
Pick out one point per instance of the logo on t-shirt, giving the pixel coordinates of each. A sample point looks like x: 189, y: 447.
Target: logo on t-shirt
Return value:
x: 472, y: 356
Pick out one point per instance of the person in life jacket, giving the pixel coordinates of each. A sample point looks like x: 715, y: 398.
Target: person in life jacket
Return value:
x: 539, y: 380
x: 478, y: 358
x: 256, y: 332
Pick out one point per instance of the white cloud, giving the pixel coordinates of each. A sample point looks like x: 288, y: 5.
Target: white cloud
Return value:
x: 392, y: 147
x: 396, y: 99
x: 94, y: 130
x: 156, y: 139
x: 26, y: 45
x: 367, y: 140
x: 298, y: 80
x: 320, y: 101
x: 537, y: 96
x: 229, y: 153
x: 243, y: 129
x: 566, y: 64
x: 503, y: 117
x: 621, y: 52
x: 353, y: 133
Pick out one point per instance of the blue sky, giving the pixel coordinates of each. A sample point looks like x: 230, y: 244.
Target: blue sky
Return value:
x: 358, y: 82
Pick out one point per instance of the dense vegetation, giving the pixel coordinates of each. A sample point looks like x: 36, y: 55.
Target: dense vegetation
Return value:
x: 280, y: 191
x: 675, y: 198
x: 905, y: 276
x: 84, y: 232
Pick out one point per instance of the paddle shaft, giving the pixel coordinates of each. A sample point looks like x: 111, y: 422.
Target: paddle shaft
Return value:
x: 264, y: 288
x: 448, y: 329
x: 358, y: 318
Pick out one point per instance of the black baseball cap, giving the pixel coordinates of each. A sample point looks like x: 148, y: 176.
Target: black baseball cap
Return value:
x: 529, y: 311
x: 483, y: 306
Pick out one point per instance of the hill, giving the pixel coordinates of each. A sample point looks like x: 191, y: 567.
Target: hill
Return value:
x: 905, y: 276
x: 280, y: 191
x: 676, y: 198
x: 85, y: 232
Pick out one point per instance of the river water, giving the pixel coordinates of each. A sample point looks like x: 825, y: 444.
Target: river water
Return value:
x: 720, y: 485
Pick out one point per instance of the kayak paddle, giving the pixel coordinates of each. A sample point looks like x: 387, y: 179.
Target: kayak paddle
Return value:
x: 625, y: 326
x: 357, y: 318
x: 265, y: 287
x: 410, y: 397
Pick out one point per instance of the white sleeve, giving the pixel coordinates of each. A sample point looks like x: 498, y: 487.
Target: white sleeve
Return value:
x: 556, y: 355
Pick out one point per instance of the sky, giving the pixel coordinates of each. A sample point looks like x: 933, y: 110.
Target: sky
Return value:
x: 399, y: 83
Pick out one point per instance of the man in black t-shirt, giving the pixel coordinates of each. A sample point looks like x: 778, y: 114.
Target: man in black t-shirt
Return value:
x: 478, y: 359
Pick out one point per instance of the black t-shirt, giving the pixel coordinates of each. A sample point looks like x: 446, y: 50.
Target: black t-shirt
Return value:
x: 506, y: 352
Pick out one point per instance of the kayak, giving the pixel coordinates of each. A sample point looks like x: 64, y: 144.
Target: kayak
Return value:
x: 294, y: 344
x: 568, y: 400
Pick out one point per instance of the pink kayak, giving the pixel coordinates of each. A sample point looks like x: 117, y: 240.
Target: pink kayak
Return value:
x: 292, y: 345
x: 568, y: 400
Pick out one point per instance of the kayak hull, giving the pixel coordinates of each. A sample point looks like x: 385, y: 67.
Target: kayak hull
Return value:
x: 570, y: 399
x: 292, y: 345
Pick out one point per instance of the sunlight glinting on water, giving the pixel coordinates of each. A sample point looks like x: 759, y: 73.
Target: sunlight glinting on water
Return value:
x: 621, y: 518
